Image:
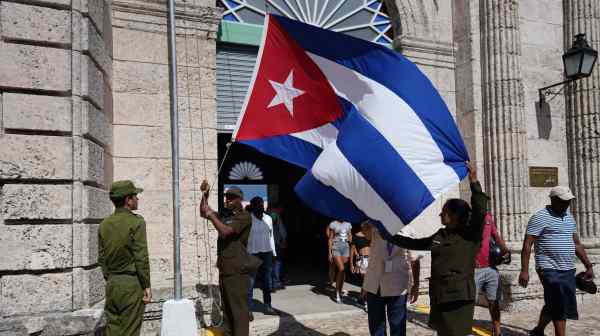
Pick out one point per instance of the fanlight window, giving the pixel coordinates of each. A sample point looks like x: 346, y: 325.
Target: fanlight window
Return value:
x: 245, y: 171
x: 365, y: 19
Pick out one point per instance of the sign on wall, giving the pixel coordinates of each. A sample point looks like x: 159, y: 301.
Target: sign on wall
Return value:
x: 543, y: 177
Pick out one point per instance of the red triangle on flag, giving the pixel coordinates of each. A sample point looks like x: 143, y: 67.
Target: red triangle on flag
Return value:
x: 289, y: 92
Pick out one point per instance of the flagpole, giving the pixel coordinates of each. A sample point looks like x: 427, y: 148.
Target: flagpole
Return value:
x: 174, y: 149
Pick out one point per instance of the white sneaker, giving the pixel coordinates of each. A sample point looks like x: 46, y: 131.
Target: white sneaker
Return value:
x: 366, y: 310
x: 338, y: 299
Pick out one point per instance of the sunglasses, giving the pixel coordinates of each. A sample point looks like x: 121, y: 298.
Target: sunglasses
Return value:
x: 231, y: 197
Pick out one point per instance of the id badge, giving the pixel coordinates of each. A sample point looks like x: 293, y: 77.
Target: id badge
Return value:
x: 388, y: 266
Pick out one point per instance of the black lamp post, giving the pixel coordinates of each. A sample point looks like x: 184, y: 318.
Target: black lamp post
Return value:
x: 578, y: 62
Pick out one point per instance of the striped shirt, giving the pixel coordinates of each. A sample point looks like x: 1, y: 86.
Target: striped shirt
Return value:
x: 554, y: 245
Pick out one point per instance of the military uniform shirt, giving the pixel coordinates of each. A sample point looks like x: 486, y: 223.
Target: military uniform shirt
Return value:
x: 123, y: 248
x: 231, y: 250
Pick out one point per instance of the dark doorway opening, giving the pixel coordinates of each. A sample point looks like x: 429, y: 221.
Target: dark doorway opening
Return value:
x: 305, y: 262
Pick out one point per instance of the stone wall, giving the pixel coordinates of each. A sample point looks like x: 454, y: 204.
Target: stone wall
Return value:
x: 55, y: 105
x: 141, y: 148
x: 542, y: 49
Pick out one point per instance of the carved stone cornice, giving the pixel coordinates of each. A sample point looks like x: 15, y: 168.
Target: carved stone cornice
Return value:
x: 151, y: 15
x: 426, y: 52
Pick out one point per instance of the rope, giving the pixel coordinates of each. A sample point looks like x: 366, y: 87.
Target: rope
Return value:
x: 215, y: 298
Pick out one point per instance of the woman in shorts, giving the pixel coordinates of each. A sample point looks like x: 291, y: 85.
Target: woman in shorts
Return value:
x: 359, y: 255
x: 340, y: 236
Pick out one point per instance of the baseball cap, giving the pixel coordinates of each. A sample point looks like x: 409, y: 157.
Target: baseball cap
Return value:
x: 562, y: 192
x: 123, y: 188
x: 235, y: 191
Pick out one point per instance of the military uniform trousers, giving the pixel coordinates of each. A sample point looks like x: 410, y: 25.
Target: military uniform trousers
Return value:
x: 234, y: 295
x: 124, y: 308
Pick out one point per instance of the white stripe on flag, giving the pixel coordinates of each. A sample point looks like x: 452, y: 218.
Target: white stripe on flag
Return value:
x: 320, y: 136
x: 395, y: 120
x: 333, y: 169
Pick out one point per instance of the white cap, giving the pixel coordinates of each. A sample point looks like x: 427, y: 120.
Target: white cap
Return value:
x: 562, y: 192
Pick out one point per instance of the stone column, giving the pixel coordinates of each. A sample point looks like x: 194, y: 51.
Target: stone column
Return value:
x: 583, y: 124
x: 504, y: 132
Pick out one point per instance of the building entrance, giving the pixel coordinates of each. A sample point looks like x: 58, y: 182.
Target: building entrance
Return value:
x: 305, y: 259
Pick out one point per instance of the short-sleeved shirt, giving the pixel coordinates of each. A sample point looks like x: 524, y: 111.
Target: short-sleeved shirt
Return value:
x: 261, y: 235
x: 240, y: 221
x: 341, y: 230
x: 554, y: 245
x: 489, y: 230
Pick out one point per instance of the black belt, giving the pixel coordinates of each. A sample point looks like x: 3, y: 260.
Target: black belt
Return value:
x: 123, y: 273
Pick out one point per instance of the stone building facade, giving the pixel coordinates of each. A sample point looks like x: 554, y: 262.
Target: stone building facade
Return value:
x: 84, y: 101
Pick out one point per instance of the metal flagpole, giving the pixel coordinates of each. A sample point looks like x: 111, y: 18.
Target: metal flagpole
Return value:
x: 174, y: 148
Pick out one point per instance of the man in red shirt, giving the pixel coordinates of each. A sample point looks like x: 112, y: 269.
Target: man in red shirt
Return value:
x: 487, y: 277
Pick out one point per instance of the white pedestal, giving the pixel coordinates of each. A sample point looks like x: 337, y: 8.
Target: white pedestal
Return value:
x: 178, y: 319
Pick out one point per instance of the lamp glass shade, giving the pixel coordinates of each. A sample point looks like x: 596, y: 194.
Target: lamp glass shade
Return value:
x: 572, y: 62
x: 588, y: 61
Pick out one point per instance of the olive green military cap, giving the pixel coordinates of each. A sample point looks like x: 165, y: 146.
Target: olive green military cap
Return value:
x: 123, y: 188
x: 235, y: 191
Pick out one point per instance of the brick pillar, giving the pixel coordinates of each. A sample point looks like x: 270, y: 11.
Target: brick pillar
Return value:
x: 53, y: 135
x: 504, y: 133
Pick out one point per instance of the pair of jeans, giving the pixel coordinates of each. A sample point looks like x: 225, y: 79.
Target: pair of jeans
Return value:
x: 264, y: 272
x: 396, y: 314
x: 276, y: 274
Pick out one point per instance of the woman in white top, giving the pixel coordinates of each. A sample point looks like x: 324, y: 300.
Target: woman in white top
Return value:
x: 340, y: 236
x: 262, y: 245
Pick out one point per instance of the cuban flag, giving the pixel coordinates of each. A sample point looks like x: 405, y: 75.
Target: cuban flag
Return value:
x: 374, y: 135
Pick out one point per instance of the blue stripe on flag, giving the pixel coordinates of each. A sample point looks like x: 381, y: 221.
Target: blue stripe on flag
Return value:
x: 286, y: 147
x: 394, y: 71
x: 383, y: 168
x: 326, y: 200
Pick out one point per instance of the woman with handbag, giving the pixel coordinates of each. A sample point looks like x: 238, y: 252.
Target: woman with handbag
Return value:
x: 359, y: 255
x: 493, y: 251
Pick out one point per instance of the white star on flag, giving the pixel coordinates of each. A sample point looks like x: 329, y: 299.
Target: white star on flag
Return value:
x: 285, y: 93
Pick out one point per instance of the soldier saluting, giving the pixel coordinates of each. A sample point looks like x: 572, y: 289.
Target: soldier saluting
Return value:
x: 123, y: 256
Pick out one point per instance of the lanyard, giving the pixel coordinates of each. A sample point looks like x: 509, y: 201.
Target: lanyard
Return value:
x: 390, y: 248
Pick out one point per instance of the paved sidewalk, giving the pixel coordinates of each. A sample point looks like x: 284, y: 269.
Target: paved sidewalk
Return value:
x: 354, y: 322
x: 306, y: 310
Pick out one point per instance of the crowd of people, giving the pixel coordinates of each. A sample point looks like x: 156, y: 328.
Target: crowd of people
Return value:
x: 465, y: 254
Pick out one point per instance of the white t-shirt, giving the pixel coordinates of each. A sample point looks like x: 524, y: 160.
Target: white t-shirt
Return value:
x: 341, y: 230
x: 261, y: 235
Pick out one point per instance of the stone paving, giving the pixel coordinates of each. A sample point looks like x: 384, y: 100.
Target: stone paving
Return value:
x: 355, y: 323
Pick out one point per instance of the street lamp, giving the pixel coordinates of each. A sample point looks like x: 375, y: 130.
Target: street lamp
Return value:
x: 578, y: 63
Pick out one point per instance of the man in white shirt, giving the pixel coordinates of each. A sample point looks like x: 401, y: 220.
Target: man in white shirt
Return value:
x: 392, y: 276
x: 261, y: 244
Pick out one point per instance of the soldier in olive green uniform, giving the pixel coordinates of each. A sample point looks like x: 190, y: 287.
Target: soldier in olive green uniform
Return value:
x: 233, y: 260
x: 453, y: 250
x: 123, y: 256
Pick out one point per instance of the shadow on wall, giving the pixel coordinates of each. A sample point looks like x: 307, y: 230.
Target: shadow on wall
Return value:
x: 544, y: 119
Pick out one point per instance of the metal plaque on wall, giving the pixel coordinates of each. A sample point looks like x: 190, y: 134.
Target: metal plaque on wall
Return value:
x: 543, y: 177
